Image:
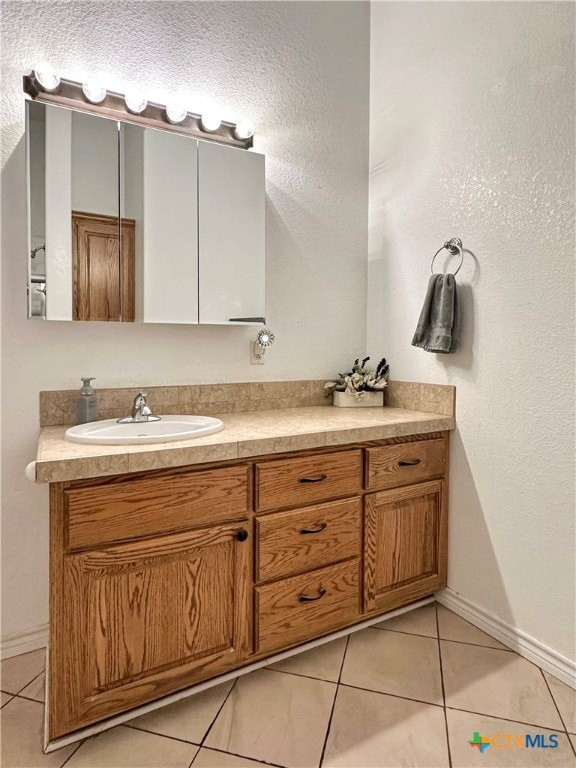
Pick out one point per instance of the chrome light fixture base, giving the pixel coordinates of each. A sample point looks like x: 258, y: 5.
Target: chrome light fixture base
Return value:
x: 70, y: 94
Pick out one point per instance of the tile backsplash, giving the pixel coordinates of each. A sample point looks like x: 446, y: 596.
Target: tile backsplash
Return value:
x: 430, y: 398
x: 58, y: 407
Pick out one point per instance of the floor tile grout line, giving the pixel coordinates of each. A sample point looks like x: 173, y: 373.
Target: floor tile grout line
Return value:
x: 220, y: 708
x: 477, y: 645
x: 25, y: 684
x: 199, y: 743
x: 245, y: 757
x: 457, y: 709
x: 191, y: 763
x: 27, y: 698
x: 393, y: 695
x: 155, y: 733
x: 300, y: 674
x: 42, y: 672
x: 71, y: 755
x: 558, y: 710
x: 506, y: 719
x: 400, y: 631
x: 333, y: 703
x: 444, y: 639
x: 384, y: 628
x: 553, y: 699
x: 443, y: 688
x: 535, y: 665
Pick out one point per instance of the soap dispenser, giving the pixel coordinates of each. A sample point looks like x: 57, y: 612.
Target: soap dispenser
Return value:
x: 86, y: 403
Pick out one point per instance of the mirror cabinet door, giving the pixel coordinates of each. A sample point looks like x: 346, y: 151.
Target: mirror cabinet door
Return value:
x: 159, y: 200
x: 100, y: 288
x: 231, y: 205
x: 74, y: 233
x: 36, y: 160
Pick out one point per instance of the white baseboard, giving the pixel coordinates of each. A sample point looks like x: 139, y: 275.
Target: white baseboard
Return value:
x: 23, y: 642
x: 524, y: 644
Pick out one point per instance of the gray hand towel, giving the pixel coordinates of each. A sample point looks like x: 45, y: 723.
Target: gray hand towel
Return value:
x: 439, y: 324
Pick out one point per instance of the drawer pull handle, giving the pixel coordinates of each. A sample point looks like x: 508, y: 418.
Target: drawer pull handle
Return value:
x: 242, y: 535
x: 320, y: 528
x: 312, y: 479
x: 308, y: 599
x: 409, y: 463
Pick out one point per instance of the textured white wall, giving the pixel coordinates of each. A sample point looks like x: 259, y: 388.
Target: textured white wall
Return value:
x: 288, y: 66
x: 472, y: 135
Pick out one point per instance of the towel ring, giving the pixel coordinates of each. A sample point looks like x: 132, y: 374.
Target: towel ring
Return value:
x: 453, y: 246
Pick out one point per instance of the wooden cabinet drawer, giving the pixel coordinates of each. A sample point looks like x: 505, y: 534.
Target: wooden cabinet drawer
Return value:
x: 395, y: 465
x: 134, y: 507
x: 285, y: 618
x: 300, y: 481
x: 299, y: 540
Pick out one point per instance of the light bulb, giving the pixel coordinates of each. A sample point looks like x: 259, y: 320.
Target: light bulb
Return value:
x: 94, y: 90
x: 244, y: 129
x: 176, y: 111
x: 46, y: 76
x: 265, y: 338
x: 135, y: 101
x: 210, y: 121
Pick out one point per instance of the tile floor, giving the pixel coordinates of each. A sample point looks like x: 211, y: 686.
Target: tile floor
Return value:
x: 411, y: 691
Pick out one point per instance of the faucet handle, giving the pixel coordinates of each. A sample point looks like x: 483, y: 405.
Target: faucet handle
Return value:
x: 141, y: 411
x: 139, y: 403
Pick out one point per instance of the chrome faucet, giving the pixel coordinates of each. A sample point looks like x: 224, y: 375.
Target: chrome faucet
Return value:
x: 141, y: 411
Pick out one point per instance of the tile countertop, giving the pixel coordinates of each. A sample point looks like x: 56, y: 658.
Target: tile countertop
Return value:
x: 244, y: 435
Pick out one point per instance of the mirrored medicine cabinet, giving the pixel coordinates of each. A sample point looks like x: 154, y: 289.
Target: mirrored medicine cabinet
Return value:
x: 136, y: 224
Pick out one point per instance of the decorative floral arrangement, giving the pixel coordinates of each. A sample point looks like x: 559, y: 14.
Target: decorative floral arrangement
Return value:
x: 360, y: 379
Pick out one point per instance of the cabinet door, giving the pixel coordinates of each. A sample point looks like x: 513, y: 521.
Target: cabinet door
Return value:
x: 231, y: 210
x: 405, y: 545
x: 132, y: 623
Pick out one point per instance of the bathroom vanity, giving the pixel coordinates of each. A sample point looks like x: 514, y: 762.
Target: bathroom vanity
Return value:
x: 165, y: 577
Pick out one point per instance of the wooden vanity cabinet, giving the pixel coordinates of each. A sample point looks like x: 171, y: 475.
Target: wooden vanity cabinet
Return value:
x: 162, y: 579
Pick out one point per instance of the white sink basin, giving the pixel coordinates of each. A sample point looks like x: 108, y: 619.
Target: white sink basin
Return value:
x: 109, y: 432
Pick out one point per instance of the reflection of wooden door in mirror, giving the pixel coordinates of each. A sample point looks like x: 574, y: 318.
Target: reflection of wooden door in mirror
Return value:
x: 103, y: 276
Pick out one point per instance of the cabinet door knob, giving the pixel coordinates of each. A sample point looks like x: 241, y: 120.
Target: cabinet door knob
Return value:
x: 242, y: 535
x: 312, y: 479
x: 409, y: 463
x: 320, y: 528
x: 308, y: 599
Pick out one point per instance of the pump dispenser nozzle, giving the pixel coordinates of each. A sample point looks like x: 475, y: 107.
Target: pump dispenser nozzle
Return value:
x: 86, y: 388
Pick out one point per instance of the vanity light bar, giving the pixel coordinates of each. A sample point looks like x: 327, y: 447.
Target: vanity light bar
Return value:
x: 70, y: 93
